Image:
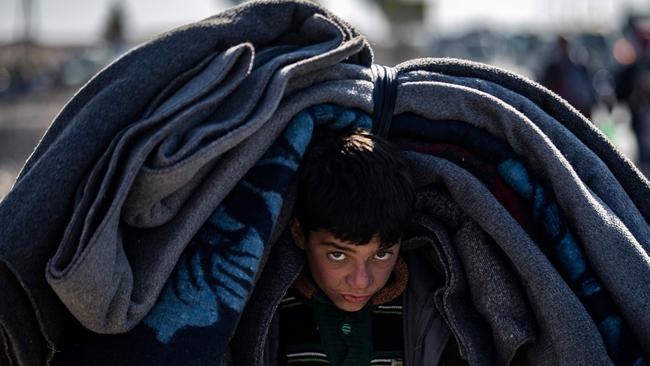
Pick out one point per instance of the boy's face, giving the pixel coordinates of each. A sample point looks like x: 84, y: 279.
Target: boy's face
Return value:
x: 348, y: 274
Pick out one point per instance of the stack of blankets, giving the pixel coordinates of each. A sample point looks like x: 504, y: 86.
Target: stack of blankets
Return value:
x: 148, y: 226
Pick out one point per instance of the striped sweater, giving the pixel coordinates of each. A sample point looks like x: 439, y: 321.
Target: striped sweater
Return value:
x: 313, y: 331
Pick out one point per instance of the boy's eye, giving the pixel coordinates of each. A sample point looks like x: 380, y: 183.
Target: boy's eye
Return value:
x: 336, y: 256
x: 383, y: 256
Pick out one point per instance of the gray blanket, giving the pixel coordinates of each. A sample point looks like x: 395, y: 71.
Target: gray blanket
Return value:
x: 138, y: 161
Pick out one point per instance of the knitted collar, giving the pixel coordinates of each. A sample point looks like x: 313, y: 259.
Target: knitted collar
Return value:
x: 394, y: 288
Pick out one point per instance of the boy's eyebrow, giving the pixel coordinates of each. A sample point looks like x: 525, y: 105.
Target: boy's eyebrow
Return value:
x: 388, y: 248
x: 337, y: 246
x: 349, y: 250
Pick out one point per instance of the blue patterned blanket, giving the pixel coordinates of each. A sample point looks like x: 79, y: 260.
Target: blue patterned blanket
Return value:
x: 202, y: 301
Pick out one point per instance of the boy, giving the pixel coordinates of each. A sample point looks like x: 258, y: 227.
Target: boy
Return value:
x: 350, y: 305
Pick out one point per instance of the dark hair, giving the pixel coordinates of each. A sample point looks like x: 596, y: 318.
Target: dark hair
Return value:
x: 355, y: 185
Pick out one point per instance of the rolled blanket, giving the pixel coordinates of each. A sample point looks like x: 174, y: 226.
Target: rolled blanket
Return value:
x: 148, y: 225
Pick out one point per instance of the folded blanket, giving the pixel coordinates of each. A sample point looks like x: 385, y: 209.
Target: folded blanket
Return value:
x: 144, y: 226
x: 545, y: 225
x: 498, y: 312
x: 195, y: 315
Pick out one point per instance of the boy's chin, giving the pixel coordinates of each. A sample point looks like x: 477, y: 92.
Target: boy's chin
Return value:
x: 351, y: 309
x: 351, y: 306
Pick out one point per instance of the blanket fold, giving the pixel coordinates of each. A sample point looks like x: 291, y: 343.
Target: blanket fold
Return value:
x: 634, y: 182
x: 164, y: 157
x: 560, y: 317
x: 148, y: 226
x: 587, y: 164
x: 498, y: 299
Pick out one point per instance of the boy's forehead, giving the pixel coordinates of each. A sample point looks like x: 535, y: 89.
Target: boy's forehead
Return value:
x: 326, y: 237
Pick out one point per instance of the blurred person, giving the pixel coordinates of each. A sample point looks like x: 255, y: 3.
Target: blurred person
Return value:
x: 569, y: 78
x: 633, y: 86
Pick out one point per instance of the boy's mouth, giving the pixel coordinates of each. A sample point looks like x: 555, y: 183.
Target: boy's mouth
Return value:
x: 356, y: 299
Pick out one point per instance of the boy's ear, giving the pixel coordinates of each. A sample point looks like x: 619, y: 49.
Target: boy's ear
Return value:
x: 297, y: 234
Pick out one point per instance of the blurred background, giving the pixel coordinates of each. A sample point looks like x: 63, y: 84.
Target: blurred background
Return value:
x: 594, y: 53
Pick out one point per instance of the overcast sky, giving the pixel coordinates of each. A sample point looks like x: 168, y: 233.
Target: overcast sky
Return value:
x: 81, y: 21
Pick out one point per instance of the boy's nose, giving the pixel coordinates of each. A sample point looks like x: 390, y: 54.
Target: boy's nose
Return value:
x: 360, y: 277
